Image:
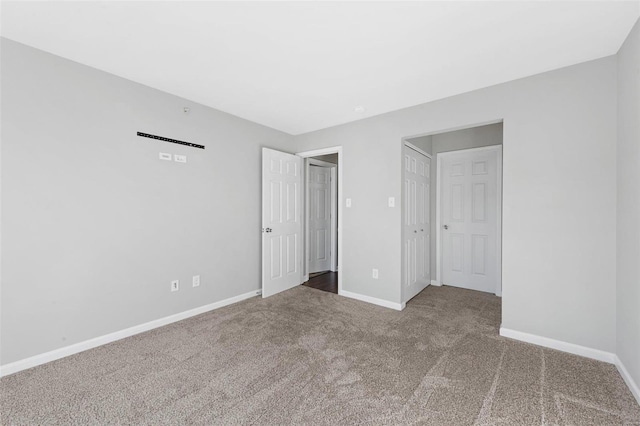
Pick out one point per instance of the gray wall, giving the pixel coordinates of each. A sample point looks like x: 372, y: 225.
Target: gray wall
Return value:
x: 94, y: 226
x: 628, y: 203
x: 559, y: 180
x: 474, y: 137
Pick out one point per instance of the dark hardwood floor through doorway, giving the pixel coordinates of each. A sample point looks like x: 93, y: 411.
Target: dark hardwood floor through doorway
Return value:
x: 327, y: 281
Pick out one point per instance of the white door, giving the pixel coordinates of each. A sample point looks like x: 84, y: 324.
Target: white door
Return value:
x: 469, y: 218
x: 319, y: 218
x: 416, y: 223
x: 281, y: 221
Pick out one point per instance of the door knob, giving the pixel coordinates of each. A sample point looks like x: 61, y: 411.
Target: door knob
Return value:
x: 415, y: 232
x: 422, y: 230
x: 445, y: 226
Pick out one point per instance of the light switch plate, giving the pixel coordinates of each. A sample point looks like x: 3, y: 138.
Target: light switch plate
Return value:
x: 179, y: 158
x: 392, y: 202
x: 348, y: 202
x: 165, y: 156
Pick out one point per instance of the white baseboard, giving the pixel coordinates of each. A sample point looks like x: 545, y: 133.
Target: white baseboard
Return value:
x: 40, y: 359
x: 373, y: 300
x: 571, y: 348
x: 436, y: 283
x: 633, y: 386
x: 305, y: 278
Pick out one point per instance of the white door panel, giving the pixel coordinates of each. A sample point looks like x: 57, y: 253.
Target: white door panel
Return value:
x: 469, y: 213
x: 416, y: 223
x: 281, y: 221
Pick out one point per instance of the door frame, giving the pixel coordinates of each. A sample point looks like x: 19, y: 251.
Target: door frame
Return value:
x: 315, y: 153
x: 439, y: 156
x: 334, y: 213
x: 403, y: 277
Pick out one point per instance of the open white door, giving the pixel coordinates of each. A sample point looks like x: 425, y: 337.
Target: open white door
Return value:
x: 416, y: 223
x: 470, y: 216
x: 281, y: 221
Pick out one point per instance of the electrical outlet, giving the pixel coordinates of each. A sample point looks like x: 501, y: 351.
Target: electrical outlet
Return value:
x: 374, y: 274
x: 175, y: 285
x: 180, y: 158
x: 196, y: 280
x: 392, y: 202
x: 165, y: 156
x: 348, y: 202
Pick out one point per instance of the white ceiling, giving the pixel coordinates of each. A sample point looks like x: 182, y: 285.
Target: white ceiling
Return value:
x: 304, y: 66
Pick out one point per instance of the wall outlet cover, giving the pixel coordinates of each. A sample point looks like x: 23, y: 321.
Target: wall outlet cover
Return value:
x: 165, y: 156
x: 348, y: 202
x: 175, y: 285
x: 374, y: 274
x: 392, y: 202
x: 196, y: 280
x: 180, y: 158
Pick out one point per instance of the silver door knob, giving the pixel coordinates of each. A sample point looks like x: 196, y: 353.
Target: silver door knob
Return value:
x: 445, y: 226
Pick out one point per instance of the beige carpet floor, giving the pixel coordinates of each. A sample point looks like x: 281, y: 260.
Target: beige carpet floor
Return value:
x: 311, y: 357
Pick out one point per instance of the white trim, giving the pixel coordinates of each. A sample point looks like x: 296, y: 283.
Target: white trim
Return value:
x: 436, y: 283
x: 373, y: 300
x: 334, y: 219
x: 415, y: 148
x: 633, y: 386
x: 439, y: 156
x: 305, y: 215
x: 499, y: 224
x: 571, y: 348
x: 46, y: 357
x: 324, y: 151
x: 438, y: 219
x: 305, y: 278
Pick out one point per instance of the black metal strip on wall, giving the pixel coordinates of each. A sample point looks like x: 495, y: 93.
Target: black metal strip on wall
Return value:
x: 161, y: 138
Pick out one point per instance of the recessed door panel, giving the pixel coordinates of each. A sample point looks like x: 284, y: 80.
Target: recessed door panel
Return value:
x: 276, y: 256
x: 479, y: 254
x: 457, y: 252
x: 457, y: 202
x: 292, y: 253
x: 479, y: 202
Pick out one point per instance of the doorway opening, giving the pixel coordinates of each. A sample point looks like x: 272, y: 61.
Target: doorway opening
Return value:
x: 459, y: 200
x: 322, y: 219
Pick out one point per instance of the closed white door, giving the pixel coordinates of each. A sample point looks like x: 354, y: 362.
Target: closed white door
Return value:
x: 319, y: 218
x: 469, y: 212
x: 281, y: 221
x: 416, y: 223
